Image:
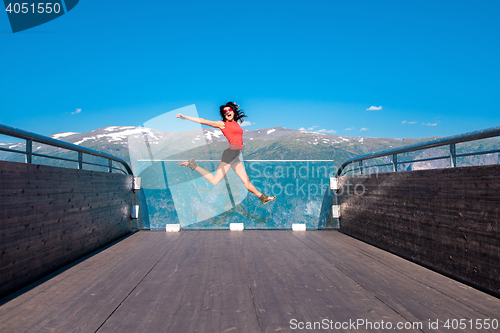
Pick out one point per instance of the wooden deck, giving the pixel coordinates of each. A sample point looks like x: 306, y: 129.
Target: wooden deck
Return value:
x: 250, y: 281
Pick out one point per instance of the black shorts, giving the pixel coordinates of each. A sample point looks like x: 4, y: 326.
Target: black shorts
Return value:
x: 230, y: 156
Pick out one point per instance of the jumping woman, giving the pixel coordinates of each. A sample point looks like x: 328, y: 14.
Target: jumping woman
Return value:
x: 230, y: 157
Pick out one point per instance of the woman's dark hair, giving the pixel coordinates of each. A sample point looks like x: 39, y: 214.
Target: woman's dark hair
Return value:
x: 238, y: 114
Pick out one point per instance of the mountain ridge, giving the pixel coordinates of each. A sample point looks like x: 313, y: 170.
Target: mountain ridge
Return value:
x: 273, y: 143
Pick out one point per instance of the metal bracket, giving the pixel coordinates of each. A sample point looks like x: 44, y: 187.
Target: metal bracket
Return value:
x: 334, y: 183
x: 137, y: 184
x: 134, y: 214
x: 335, y: 211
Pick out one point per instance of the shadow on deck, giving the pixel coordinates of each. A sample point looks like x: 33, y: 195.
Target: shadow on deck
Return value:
x: 251, y: 281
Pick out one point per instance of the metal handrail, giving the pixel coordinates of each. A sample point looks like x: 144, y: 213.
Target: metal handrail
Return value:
x: 33, y: 137
x: 450, y: 140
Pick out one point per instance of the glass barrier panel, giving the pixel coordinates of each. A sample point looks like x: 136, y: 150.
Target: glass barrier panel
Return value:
x: 175, y: 194
x: 195, y: 203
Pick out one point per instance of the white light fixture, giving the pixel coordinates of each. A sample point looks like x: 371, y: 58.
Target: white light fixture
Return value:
x: 236, y: 226
x: 173, y: 228
x: 298, y: 227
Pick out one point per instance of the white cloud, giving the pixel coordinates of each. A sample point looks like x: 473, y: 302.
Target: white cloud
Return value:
x: 408, y: 122
x: 77, y: 111
x: 429, y: 124
x: 325, y: 131
x: 311, y: 128
x: 374, y: 108
x: 363, y: 129
x: 349, y: 128
x: 246, y: 123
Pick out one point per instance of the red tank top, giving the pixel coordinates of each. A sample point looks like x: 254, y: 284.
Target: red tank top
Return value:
x: 234, y: 134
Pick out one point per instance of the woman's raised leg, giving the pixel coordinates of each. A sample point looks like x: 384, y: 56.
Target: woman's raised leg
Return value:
x: 214, y: 179
x: 239, y: 169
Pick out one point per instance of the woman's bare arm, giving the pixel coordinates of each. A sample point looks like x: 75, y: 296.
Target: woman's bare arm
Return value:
x: 216, y: 124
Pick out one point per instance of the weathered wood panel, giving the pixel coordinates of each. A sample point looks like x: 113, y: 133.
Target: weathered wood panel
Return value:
x: 249, y: 281
x: 200, y: 285
x: 52, y: 216
x: 290, y: 281
x: 445, y: 219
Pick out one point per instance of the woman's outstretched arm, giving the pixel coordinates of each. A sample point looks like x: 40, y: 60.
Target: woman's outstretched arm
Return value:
x: 216, y: 124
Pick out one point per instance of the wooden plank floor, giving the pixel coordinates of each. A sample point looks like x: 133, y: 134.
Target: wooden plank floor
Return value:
x: 250, y: 281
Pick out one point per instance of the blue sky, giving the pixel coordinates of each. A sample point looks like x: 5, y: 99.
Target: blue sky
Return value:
x: 431, y: 65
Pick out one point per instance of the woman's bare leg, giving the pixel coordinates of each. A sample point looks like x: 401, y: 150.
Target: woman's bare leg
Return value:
x: 214, y: 179
x: 239, y: 169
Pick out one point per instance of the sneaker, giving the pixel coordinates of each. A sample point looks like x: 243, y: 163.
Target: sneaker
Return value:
x: 265, y: 199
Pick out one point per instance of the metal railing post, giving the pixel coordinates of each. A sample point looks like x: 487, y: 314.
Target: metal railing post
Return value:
x: 453, y: 158
x: 395, y: 162
x: 360, y: 167
x: 80, y: 160
x: 110, y: 165
x: 29, y: 151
